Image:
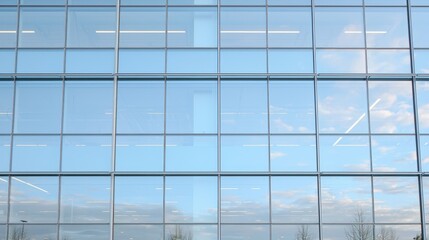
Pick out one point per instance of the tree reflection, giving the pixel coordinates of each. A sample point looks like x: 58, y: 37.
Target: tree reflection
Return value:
x: 18, y: 233
x: 179, y: 234
x: 303, y: 233
x: 359, y: 230
x: 387, y: 233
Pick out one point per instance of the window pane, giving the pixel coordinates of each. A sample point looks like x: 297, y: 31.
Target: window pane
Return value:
x: 294, y: 200
x: 43, y: 2
x: 85, y: 200
x: 138, y: 199
x: 142, y: 27
x: 32, y: 231
x: 4, y: 185
x: 338, y: 2
x: 244, y: 200
x: 243, y: 61
x: 192, y: 27
x: 91, y: 2
x: 340, y: 61
x: 34, y: 199
x: 423, y: 102
x: 243, y: 27
x: 91, y: 27
x: 85, y: 232
x: 398, y: 231
x: 192, y: 2
x: 384, y: 2
x: 90, y: 61
x: 426, y: 195
x: 391, y: 106
x: 197, y: 61
x: 2, y: 232
x: 6, y: 106
x: 140, y: 107
x: 421, y: 61
x: 125, y: 232
x: 40, y: 61
x: 242, y: 2
x: 244, y: 107
x: 340, y: 232
x: 7, y: 60
x: 141, y: 61
x: 290, y: 61
x: 42, y: 27
x: 206, y: 232
x: 295, y: 231
x: 8, y: 22
x: 191, y: 199
x: 424, y: 155
x: 87, y: 153
x: 88, y: 107
x: 36, y: 153
x: 4, y: 155
x: 248, y: 232
x: 389, y: 61
x: 38, y: 106
x: 420, y: 26
x: 191, y: 153
x: 191, y: 106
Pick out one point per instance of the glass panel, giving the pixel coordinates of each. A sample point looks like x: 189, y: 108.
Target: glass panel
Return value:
x: 293, y: 153
x: 141, y: 61
x: 387, y: 191
x: 138, y: 199
x: 294, y: 200
x: 8, y: 25
x: 43, y: 2
x: 386, y: 27
x: 298, y: 232
x: 7, y: 60
x: 244, y: 200
x: 426, y: 195
x: 2, y: 232
x: 127, y: 232
x: 244, y: 153
x: 289, y: 27
x: 243, y: 27
x: 197, y: 61
x: 36, y: 232
x: 38, y: 106
x: 191, y: 199
x: 140, y: 107
x: 92, y: 2
x: 6, y: 106
x: 91, y: 27
x: 341, y: 61
x: 191, y: 153
x: 389, y: 61
x: 419, y: 2
x: 244, y: 107
x: 4, y: 185
x: 290, y: 61
x: 85, y: 200
x: 85, y: 232
x: 139, y: 153
x: 87, y: 153
x: 4, y: 155
x: 423, y: 108
x: 243, y: 2
x: 36, y: 153
x: 391, y: 106
x: 358, y: 230
x: 339, y: 27
x: 192, y: 27
x: 424, y: 157
x: 206, y: 232
x: 88, y: 106
x: 243, y: 61
x: 142, y: 27
x: 34, y: 200
x: 40, y: 61
x: 248, y: 232
x: 421, y: 61
x: 394, y: 153
x: 384, y: 2
x: 338, y: 2
x: 346, y: 199
x: 90, y: 61
x: 398, y: 232
x: 191, y: 106
x: 192, y: 2
x: 36, y: 28
x: 420, y: 26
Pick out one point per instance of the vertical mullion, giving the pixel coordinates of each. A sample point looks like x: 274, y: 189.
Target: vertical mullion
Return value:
x: 219, y: 120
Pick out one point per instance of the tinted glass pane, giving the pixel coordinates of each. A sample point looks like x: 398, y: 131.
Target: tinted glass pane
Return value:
x: 244, y: 107
x: 88, y: 106
x: 420, y: 26
x: 138, y: 199
x: 424, y: 155
x: 85, y: 232
x: 87, y: 153
x: 299, y: 207
x: 426, y: 195
x: 125, y: 232
x: 191, y: 153
x: 398, y: 231
x: 389, y: 61
x: 43, y: 2
x: 290, y: 61
x: 338, y: 2
x: 191, y: 107
x: 40, y: 61
x: 243, y: 61
x: 4, y: 185
x: 90, y: 61
x: 197, y: 61
x: 32, y: 231
x: 341, y: 61
x: 206, y: 232
x: 421, y: 61
x: 34, y: 199
x: 244, y: 153
x: 191, y: 199
x: 384, y: 2
x: 36, y: 153
x: 4, y: 153
x: 419, y: 2
x: 192, y: 27
x: 242, y: 2
x: 38, y: 106
x: 85, y: 200
x: 42, y: 27
x: 6, y: 106
x: 244, y: 200
x: 92, y: 2
x: 141, y: 61
x: 140, y: 107
x: 2, y: 232
x: 7, y: 60
x: 8, y: 22
x: 340, y: 232
x: 423, y: 108
x: 295, y: 231
x: 248, y: 232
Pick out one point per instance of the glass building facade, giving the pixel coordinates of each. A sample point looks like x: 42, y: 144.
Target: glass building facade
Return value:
x: 214, y: 120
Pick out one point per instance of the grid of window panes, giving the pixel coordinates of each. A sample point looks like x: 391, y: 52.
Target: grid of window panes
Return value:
x: 198, y: 119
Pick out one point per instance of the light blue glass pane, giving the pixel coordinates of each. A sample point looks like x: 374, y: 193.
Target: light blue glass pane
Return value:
x: 90, y: 61
x: 192, y: 2
x: 91, y: 27
x: 421, y: 61
x: 4, y: 185
x: 289, y: 2
x: 338, y: 2
x: 385, y: 2
x: 243, y: 61
x: 290, y: 61
x: 85, y: 232
x: 386, y: 27
x: 424, y: 154
x: 142, y: 27
x: 339, y: 232
x: 36, y: 153
x: 35, y: 199
x: 141, y: 61
x: 4, y: 154
x: 242, y: 2
x: 38, y: 106
x: 92, y: 2
x: 340, y: 61
x: 139, y: 153
x: 399, y: 231
x: 197, y: 61
x: 191, y: 106
x: 420, y: 2
x: 292, y: 231
x: 420, y: 26
x: 192, y: 27
x: 87, y: 153
x: 339, y: 27
x: 191, y: 199
x: 293, y: 153
x: 143, y: 2
x: 42, y: 27
x: 2, y: 232
x: 9, y: 2
x: 7, y: 60
x: 423, y: 108
x: 140, y: 107
x: 85, y: 200
x: 206, y: 232
x: 244, y: 107
x: 191, y: 153
x: 8, y: 23
x: 244, y: 200
x: 32, y: 231
x: 394, y: 153
x: 125, y: 232
x: 244, y: 153
x: 389, y: 61
x: 43, y: 2
x: 40, y: 61
x: 6, y: 106
x: 248, y: 232
x: 88, y: 107
x: 138, y: 199
x: 426, y: 196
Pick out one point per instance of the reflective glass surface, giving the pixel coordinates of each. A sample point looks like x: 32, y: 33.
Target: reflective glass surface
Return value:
x: 290, y: 61
x: 292, y: 153
x: 125, y: 232
x: 341, y: 61
x: 32, y: 231
x: 421, y: 61
x: 207, y: 232
x: 4, y: 185
x: 8, y: 26
x: 243, y: 61
x: 43, y: 2
x: 142, y: 61
x: 7, y: 60
x: 249, y: 232
x: 90, y: 60
x: 424, y: 152
x: 4, y: 153
x: 84, y: 232
x: 6, y: 106
x: 197, y: 61
x: 423, y: 105
x: 420, y: 26
x: 40, y: 61
x: 294, y: 231
x: 389, y: 61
